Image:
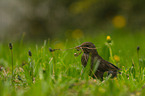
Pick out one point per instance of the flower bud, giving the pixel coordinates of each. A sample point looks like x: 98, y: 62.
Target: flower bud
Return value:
x: 51, y: 50
x: 30, y: 54
x: 10, y: 46
x: 138, y: 48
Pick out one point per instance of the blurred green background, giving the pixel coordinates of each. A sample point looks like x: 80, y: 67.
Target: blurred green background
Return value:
x: 43, y: 19
x: 36, y: 25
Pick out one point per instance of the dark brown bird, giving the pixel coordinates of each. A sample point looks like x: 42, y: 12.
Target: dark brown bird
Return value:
x: 98, y: 64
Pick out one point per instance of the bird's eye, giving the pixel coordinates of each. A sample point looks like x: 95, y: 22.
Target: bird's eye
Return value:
x: 87, y: 45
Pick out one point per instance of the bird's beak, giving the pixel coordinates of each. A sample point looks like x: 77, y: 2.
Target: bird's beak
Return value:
x: 78, y: 48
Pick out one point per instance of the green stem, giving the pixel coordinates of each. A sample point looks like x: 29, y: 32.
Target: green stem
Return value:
x: 31, y: 68
x: 111, y: 55
x: 12, y: 66
x: 54, y: 64
x: 138, y: 61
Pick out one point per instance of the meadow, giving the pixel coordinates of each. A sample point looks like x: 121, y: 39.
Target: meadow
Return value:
x: 39, y: 72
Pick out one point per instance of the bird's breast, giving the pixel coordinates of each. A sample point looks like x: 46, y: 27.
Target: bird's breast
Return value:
x: 84, y: 59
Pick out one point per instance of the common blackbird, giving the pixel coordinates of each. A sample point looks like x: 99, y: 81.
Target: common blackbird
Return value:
x: 98, y: 65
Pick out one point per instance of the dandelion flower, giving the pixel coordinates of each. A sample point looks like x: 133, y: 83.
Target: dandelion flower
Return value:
x: 116, y: 58
x: 76, y: 34
x: 119, y: 21
x: 108, y: 39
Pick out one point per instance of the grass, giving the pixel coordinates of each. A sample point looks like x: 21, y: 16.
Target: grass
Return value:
x: 59, y: 72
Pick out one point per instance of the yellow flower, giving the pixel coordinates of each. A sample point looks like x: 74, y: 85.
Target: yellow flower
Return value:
x: 108, y: 39
x: 119, y: 21
x: 76, y: 34
x: 116, y: 58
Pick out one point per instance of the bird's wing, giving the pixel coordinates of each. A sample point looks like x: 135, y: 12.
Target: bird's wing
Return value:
x: 107, y: 66
x: 104, y: 65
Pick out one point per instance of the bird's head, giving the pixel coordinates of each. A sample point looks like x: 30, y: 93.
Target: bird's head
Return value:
x: 87, y: 47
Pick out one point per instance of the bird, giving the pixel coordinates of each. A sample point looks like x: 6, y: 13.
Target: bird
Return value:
x: 97, y: 64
